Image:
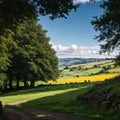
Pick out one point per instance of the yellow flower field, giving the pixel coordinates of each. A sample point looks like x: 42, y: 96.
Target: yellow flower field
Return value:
x: 93, y: 78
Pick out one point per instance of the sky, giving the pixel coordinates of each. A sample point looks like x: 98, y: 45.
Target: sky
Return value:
x: 74, y: 36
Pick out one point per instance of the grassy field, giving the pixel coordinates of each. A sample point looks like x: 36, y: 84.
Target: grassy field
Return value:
x: 60, y: 98
x: 75, y: 73
x: 115, y: 70
x: 40, y: 92
x: 61, y: 95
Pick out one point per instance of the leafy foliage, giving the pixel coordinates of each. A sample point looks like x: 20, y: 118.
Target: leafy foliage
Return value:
x: 25, y: 52
x: 55, y: 8
x: 29, y: 56
x: 13, y: 12
x: 108, y: 24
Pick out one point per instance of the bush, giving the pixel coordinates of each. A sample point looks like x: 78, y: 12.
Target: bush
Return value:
x: 77, y: 76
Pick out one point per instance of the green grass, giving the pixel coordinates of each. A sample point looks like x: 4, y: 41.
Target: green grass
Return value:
x: 60, y: 98
x: 114, y: 70
x: 56, y: 98
x: 32, y: 96
x: 115, y: 87
x: 68, y: 73
x: 40, y: 92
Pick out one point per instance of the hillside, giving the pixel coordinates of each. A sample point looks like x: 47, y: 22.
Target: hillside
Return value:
x: 75, y: 61
x: 87, y: 69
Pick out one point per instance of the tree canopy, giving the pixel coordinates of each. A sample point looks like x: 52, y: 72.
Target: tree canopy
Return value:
x: 15, y: 11
x: 25, y: 52
x: 108, y: 25
x: 26, y: 56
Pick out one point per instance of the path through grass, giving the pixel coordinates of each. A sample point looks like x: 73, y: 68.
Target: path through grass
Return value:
x: 60, y: 98
x: 39, y: 92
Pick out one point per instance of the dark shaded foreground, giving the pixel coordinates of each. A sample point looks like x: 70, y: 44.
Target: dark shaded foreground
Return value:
x: 13, y: 114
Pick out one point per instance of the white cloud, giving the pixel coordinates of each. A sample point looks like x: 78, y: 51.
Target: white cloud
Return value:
x: 74, y: 50
x: 83, y: 1
x: 74, y: 46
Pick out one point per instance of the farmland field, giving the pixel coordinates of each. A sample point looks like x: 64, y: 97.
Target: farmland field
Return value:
x: 81, y: 71
x: 77, y: 73
x: 90, y: 64
x: 94, y: 78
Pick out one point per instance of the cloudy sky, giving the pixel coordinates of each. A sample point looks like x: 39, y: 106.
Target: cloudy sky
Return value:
x: 74, y: 36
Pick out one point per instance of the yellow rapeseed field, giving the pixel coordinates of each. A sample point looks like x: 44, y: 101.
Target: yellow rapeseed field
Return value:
x: 93, y: 78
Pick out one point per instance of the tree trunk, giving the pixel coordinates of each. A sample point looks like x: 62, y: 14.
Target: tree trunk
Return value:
x: 10, y: 82
x: 10, y: 77
x: 32, y: 83
x: 17, y: 84
x: 25, y: 82
x: 5, y: 85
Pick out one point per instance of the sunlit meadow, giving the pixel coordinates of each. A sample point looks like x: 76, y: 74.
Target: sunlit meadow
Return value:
x: 94, y: 78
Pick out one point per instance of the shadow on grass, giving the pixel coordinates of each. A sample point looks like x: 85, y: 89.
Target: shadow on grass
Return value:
x: 65, y: 103
x: 45, y: 88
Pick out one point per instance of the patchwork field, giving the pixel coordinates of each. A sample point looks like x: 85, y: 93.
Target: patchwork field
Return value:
x: 89, y: 69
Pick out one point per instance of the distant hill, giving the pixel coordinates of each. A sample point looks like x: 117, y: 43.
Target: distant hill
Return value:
x: 73, y: 61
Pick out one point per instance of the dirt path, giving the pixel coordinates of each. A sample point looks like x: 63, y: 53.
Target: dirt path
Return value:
x: 49, y: 115
x: 13, y: 114
x: 18, y: 102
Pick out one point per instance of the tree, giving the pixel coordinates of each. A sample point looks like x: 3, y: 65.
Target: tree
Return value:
x: 13, y: 12
x: 108, y: 24
x: 7, y: 45
x: 26, y: 55
x: 33, y: 59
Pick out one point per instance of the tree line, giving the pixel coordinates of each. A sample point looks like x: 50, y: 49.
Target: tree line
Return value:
x: 26, y: 56
x: 25, y: 52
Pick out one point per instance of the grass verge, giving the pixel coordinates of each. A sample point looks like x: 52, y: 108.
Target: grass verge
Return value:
x: 60, y: 98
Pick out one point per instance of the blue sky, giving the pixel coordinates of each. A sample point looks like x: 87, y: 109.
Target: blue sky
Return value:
x: 74, y: 36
